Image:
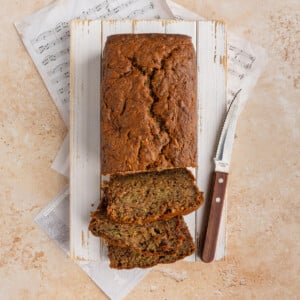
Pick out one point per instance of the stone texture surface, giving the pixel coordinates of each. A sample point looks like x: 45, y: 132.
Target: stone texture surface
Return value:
x: 263, y: 212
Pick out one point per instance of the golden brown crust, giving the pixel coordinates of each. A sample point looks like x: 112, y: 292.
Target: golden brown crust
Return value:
x: 148, y: 103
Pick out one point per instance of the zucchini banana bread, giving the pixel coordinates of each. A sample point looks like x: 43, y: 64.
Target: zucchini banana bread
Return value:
x: 148, y: 103
x: 160, y: 237
x: 125, y: 258
x: 146, y: 197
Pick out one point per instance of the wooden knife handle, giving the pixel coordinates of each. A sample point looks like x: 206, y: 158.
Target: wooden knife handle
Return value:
x: 218, y: 194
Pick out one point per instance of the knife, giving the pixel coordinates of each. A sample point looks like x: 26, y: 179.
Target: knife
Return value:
x: 219, y: 182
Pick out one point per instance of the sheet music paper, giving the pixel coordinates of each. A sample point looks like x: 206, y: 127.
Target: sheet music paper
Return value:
x: 46, y: 36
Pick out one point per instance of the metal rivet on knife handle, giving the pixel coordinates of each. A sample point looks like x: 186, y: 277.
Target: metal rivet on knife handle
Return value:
x: 214, y: 219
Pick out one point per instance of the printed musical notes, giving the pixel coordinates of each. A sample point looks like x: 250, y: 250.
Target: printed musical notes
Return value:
x: 98, y: 10
x: 240, y: 64
x: 60, y: 77
x: 44, y: 35
x: 48, y: 59
x: 235, y: 73
x: 53, y: 57
x: 64, y: 90
x: 108, y: 9
x: 63, y: 38
x: 140, y: 12
x: 59, y: 68
x: 240, y: 57
x: 60, y: 26
x: 115, y: 11
x: 53, y: 47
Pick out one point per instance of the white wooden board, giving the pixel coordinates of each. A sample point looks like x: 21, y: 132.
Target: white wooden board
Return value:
x: 87, y: 42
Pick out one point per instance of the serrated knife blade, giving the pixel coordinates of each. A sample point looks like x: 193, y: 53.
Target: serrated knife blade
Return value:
x: 222, y: 164
x: 225, y: 145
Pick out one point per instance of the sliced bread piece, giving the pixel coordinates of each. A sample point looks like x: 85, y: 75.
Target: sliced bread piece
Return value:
x: 125, y: 258
x: 149, y: 196
x: 156, y: 238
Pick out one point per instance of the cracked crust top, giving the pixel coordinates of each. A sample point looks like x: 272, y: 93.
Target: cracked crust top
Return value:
x: 148, y: 103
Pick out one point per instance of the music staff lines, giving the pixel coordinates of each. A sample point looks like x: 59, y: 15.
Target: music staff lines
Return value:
x: 59, y: 68
x: 236, y: 73
x: 140, y: 12
x: 64, y: 38
x: 113, y: 11
x: 53, y: 57
x: 64, y: 90
x: 44, y: 35
x: 240, y: 57
x: 97, y: 9
x: 59, y: 78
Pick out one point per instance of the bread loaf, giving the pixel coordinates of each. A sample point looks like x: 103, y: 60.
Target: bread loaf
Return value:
x: 148, y: 103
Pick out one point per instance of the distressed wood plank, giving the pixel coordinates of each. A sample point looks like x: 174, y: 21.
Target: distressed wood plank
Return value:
x: 211, y: 64
x: 84, y: 137
x: 111, y: 27
x: 148, y: 26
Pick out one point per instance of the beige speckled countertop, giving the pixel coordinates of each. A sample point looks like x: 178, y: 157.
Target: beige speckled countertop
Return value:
x: 263, y: 259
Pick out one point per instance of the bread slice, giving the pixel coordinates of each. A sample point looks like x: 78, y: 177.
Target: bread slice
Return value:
x: 149, y: 196
x: 156, y: 238
x: 125, y: 258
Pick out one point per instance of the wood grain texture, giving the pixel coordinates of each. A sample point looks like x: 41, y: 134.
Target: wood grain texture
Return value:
x: 87, y: 43
x: 216, y: 207
x: 212, y: 106
x: 84, y: 137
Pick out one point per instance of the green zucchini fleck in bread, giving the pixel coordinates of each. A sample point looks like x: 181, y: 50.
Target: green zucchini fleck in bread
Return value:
x: 125, y: 258
x: 146, y: 197
x: 160, y: 237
